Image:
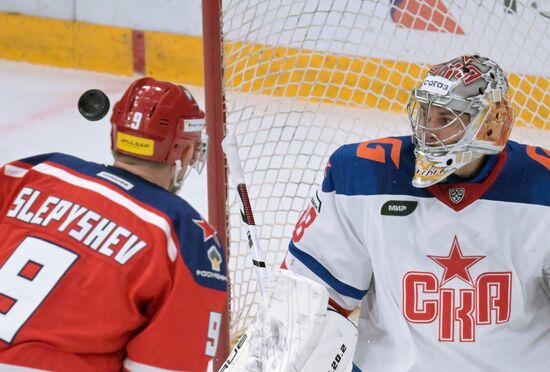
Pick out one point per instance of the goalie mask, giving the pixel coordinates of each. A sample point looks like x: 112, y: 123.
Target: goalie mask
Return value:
x: 157, y: 121
x: 459, y: 113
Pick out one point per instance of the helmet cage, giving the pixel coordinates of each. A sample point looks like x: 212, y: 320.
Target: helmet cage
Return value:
x: 428, y: 139
x: 201, y: 152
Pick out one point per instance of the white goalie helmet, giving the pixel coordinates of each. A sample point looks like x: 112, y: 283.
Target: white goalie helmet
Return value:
x: 459, y: 113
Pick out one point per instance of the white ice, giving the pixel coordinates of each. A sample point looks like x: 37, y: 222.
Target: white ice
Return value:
x: 38, y: 114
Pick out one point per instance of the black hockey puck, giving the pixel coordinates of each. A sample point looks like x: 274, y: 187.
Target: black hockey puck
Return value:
x: 93, y: 104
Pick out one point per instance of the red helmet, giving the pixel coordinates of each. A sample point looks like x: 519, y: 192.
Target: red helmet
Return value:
x: 156, y: 120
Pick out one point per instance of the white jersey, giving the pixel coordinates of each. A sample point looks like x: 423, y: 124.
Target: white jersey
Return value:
x: 450, y: 278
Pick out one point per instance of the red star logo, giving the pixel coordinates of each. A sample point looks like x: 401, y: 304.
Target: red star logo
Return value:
x: 207, y: 230
x: 456, y: 265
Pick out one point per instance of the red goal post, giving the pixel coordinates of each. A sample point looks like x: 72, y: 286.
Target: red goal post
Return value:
x: 217, y: 173
x: 295, y: 79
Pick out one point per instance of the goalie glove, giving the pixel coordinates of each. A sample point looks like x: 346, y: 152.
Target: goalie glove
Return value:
x: 294, y: 332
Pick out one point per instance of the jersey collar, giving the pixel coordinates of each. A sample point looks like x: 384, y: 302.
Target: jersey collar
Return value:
x: 459, y: 195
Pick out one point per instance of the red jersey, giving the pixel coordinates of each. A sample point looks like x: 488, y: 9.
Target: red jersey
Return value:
x: 101, y: 270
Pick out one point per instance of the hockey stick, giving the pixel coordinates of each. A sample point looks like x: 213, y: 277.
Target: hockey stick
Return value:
x: 287, y: 332
x: 229, y: 145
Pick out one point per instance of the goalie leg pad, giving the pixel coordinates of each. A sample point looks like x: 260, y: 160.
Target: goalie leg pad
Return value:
x: 335, y: 347
x: 293, y: 331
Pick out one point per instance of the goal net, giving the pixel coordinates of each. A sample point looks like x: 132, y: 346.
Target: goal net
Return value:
x: 302, y: 77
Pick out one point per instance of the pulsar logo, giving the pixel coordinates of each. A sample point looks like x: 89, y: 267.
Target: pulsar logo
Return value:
x: 398, y: 208
x: 457, y: 302
x: 134, y: 144
x: 456, y: 194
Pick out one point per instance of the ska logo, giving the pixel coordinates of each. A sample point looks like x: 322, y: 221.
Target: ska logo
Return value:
x: 456, y: 194
x: 484, y: 300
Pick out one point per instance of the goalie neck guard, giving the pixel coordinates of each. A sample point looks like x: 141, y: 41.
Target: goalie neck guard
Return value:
x: 156, y: 120
x: 459, y: 113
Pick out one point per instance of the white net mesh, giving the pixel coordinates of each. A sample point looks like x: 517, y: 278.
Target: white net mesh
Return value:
x: 303, y: 77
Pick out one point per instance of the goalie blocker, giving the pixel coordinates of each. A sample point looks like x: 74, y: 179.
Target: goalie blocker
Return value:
x: 285, y: 334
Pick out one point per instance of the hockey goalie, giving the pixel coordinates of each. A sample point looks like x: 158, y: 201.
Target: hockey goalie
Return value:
x: 442, y: 238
